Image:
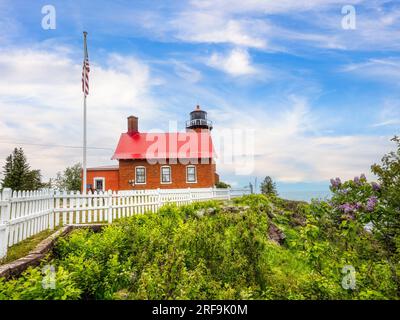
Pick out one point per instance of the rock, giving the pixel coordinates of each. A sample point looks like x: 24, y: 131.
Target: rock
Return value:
x: 235, y: 209
x: 297, y: 220
x: 275, y: 234
x: 231, y: 209
x: 270, y: 215
x: 211, y: 211
x: 200, y: 213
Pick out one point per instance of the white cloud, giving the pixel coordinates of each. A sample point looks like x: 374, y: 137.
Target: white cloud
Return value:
x: 216, y: 27
x: 236, y: 63
x: 41, y: 103
x: 186, y: 72
x: 389, y: 115
x: 264, y: 24
x: 271, y: 7
x: 290, y: 145
x: 386, y: 69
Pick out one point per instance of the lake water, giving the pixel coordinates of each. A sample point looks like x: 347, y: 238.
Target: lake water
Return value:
x: 304, y: 195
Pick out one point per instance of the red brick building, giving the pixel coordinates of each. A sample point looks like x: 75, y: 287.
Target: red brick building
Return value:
x: 160, y: 160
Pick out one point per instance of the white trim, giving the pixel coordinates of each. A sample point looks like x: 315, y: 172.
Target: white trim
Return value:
x: 170, y: 175
x: 195, y: 173
x: 99, y: 178
x: 145, y: 175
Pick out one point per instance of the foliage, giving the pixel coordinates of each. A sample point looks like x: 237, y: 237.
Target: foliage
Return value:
x: 70, y: 179
x: 204, y: 251
x: 17, y: 173
x: 268, y: 187
x: 388, y: 172
x: 30, y: 287
x: 222, y: 185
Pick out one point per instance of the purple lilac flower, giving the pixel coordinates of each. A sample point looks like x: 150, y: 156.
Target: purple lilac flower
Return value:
x: 363, y: 177
x: 371, y: 203
x: 375, y: 186
x: 347, y: 207
x: 358, y: 205
x: 357, y: 180
x: 336, y: 183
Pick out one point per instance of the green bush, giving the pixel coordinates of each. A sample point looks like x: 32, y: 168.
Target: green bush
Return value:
x: 203, y: 251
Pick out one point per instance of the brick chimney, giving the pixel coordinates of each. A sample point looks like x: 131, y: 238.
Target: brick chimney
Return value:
x: 132, y: 124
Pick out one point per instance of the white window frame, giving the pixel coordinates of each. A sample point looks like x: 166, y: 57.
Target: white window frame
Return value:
x: 145, y: 174
x: 170, y: 175
x: 195, y: 174
x: 99, y: 178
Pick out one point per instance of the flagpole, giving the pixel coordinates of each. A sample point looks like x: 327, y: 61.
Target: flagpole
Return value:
x: 84, y: 124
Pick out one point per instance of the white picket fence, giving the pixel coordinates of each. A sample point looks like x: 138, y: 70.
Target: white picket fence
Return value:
x: 26, y: 213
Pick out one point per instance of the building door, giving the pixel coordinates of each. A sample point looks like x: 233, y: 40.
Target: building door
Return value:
x: 99, y: 184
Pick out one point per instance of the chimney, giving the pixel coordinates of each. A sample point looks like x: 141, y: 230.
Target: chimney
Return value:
x: 132, y: 124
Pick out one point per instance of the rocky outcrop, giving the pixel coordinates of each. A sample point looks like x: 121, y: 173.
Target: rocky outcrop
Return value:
x: 275, y: 234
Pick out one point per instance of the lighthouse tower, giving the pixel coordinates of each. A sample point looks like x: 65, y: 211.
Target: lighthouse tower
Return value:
x: 198, y: 120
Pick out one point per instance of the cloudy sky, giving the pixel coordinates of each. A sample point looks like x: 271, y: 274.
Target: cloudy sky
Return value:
x: 321, y: 100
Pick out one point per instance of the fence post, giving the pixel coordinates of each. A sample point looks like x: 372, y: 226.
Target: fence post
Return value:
x: 110, y: 207
x: 229, y: 194
x: 4, y: 219
x: 52, y: 214
x: 190, y: 195
x: 158, y: 199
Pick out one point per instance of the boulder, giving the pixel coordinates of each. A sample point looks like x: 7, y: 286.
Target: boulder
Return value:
x: 275, y: 234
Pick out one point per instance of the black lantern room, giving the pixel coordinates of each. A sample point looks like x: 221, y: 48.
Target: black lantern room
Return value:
x: 198, y: 120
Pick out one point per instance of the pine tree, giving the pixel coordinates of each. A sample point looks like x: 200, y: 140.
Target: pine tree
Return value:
x: 17, y: 173
x: 7, y: 172
x: 268, y: 187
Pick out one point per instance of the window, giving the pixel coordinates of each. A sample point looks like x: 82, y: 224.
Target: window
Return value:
x: 99, y: 183
x: 140, y: 175
x: 166, y: 174
x: 191, y: 176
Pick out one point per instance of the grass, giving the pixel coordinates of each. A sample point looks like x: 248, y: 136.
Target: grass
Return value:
x: 22, y: 248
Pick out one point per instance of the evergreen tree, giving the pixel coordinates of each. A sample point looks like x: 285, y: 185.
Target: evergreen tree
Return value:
x: 17, y: 173
x: 268, y: 187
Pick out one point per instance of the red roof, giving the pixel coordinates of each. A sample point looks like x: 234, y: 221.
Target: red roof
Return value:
x: 177, y: 145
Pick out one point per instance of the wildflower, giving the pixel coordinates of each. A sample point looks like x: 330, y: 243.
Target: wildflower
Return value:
x: 335, y: 183
x: 357, y: 180
x: 371, y: 203
x: 375, y: 186
x: 347, y: 207
x: 363, y: 177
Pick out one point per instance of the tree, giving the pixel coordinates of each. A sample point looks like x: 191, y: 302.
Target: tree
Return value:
x: 268, y: 187
x: 17, y: 173
x: 222, y: 185
x: 388, y: 173
x: 70, y: 179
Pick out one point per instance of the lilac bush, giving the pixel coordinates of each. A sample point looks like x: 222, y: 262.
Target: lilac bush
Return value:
x: 354, y: 199
x: 371, y: 203
x: 336, y: 183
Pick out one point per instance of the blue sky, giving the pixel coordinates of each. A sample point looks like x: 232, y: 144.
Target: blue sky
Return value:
x: 322, y: 101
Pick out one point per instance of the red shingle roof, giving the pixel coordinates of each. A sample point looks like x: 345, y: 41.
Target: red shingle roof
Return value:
x: 179, y: 145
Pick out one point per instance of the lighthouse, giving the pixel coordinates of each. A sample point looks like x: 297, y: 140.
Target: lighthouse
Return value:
x: 198, y: 120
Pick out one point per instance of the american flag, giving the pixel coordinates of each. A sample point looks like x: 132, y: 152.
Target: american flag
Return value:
x: 85, y: 76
